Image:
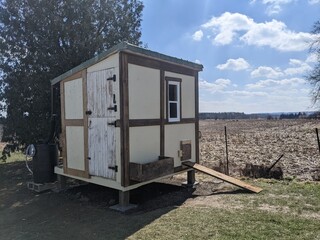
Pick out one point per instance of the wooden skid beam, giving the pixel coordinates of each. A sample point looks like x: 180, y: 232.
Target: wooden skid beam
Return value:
x: 222, y: 176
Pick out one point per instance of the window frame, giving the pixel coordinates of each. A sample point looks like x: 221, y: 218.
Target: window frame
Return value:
x: 176, y: 82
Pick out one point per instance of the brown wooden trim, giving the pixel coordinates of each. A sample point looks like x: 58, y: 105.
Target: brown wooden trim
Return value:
x: 196, y: 96
x: 85, y: 122
x: 73, y: 122
x: 180, y: 168
x: 144, y: 122
x: 124, y: 118
x: 63, y: 128
x: 158, y: 64
x: 183, y: 121
x: 76, y: 172
x: 73, y: 77
x: 162, y: 120
x: 173, y: 79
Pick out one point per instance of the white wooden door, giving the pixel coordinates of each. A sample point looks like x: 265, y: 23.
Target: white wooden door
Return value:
x: 101, y: 135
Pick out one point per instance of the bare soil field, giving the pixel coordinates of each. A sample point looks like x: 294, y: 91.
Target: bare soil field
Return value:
x: 263, y: 142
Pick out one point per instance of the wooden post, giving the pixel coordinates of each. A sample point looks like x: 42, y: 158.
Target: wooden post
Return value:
x: 227, y: 157
x: 124, y: 198
x: 191, y: 178
x: 318, y: 139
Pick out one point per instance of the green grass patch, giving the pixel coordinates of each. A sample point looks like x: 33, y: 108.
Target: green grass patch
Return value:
x: 14, y: 157
x: 284, y: 210
x: 210, y: 223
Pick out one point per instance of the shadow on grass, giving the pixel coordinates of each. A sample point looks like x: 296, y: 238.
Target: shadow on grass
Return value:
x: 82, y: 212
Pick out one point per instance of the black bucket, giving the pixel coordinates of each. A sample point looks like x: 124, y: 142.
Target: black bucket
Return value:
x: 43, y: 163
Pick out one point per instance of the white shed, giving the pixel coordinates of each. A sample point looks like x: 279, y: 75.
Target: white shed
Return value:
x: 128, y: 117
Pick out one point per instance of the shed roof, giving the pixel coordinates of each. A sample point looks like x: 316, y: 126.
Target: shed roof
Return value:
x: 126, y: 47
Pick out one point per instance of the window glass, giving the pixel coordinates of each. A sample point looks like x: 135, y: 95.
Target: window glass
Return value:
x: 173, y: 92
x: 173, y: 101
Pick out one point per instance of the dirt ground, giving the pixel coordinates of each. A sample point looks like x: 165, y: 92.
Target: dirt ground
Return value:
x: 82, y: 211
x: 263, y: 142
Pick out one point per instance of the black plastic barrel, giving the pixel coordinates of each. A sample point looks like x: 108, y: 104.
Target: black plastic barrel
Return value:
x: 43, y: 163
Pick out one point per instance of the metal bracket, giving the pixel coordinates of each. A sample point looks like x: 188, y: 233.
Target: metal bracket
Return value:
x: 115, y: 168
x: 113, y: 78
x: 115, y: 123
x: 114, y: 108
x: 89, y: 112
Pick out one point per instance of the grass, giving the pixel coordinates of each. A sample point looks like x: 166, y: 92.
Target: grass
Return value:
x: 15, y: 156
x: 284, y: 210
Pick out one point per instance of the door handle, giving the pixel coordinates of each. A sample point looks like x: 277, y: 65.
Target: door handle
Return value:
x: 89, y: 112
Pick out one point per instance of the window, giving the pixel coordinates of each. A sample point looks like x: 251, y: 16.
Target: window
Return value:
x: 173, y: 101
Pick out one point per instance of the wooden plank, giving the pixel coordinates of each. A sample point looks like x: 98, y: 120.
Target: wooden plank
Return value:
x: 148, y: 171
x: 222, y: 176
x: 196, y: 98
x: 85, y: 122
x: 124, y: 118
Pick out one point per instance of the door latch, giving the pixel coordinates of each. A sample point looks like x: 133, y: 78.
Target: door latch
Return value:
x: 89, y: 112
x: 115, y: 168
x: 113, y: 78
x: 114, y: 108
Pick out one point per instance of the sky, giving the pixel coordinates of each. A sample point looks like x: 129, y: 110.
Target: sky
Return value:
x: 255, y: 53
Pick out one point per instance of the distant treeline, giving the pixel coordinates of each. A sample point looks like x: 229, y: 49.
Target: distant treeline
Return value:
x: 241, y: 115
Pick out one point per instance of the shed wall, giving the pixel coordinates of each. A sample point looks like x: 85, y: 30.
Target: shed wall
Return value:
x: 144, y: 93
x: 144, y: 144
x: 187, y: 94
x: 176, y: 133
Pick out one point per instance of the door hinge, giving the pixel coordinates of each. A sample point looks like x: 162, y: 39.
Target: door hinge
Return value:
x: 115, y: 123
x: 114, y: 108
x: 115, y: 168
x: 113, y: 78
x: 89, y: 112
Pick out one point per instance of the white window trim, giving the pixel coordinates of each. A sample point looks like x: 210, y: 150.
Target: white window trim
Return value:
x: 177, y: 119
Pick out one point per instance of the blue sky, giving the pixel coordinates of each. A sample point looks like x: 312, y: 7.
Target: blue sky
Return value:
x: 255, y: 53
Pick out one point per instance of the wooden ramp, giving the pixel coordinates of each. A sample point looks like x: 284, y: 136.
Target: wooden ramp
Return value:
x: 222, y: 176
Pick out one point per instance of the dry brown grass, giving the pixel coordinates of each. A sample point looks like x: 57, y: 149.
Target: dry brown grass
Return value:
x: 262, y: 142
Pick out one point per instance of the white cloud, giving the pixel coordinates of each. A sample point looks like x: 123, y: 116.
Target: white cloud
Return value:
x: 313, y: 1
x: 267, y: 72
x: 271, y: 83
x: 312, y: 58
x: 226, y: 26
x: 234, y: 64
x: 197, y: 61
x: 299, y: 67
x: 274, y: 34
x: 197, y: 36
x: 218, y: 85
x: 243, y: 93
x: 275, y: 6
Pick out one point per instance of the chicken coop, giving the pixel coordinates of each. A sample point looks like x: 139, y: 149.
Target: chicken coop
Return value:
x: 129, y: 116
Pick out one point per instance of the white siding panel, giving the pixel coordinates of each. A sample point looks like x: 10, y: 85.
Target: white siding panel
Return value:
x: 73, y: 99
x: 144, y: 92
x: 144, y: 144
x: 102, y: 150
x: 110, y: 62
x: 75, y: 147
